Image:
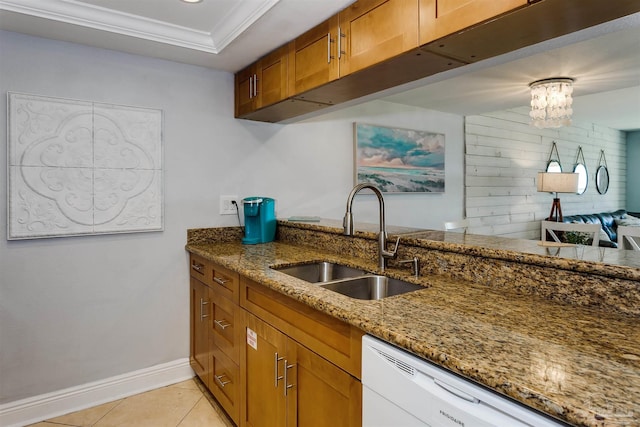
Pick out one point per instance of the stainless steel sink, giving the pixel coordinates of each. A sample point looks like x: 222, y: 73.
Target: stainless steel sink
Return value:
x: 371, y: 287
x: 322, y: 271
x: 349, y: 281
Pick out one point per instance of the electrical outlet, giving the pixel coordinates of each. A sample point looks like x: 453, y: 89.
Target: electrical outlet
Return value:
x: 226, y: 205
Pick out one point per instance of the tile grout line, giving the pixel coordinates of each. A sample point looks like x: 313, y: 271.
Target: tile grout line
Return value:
x: 109, y: 411
x: 190, y: 410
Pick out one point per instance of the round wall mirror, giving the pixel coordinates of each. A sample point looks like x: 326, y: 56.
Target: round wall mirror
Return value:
x: 554, y: 166
x: 602, y: 179
x: 583, y: 178
x: 581, y: 170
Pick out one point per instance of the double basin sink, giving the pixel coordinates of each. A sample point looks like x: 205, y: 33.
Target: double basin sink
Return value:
x: 349, y: 281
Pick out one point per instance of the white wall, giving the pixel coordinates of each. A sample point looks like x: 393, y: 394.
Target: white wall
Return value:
x: 633, y: 171
x: 80, y: 309
x: 503, y: 156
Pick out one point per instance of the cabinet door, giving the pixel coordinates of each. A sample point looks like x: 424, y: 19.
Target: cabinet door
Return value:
x: 376, y: 30
x: 245, y: 91
x: 314, y: 57
x: 319, y: 393
x: 200, y: 321
x: 439, y: 18
x: 272, y: 75
x: 262, y: 375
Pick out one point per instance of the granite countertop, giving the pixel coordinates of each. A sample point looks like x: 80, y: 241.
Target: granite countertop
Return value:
x: 577, y: 364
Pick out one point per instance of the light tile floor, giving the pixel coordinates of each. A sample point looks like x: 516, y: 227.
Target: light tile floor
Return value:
x: 185, y: 404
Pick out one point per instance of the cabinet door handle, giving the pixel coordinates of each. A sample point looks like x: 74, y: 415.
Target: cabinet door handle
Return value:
x: 202, y: 304
x: 220, y: 281
x: 220, y: 381
x: 340, y: 36
x: 222, y: 323
x: 197, y: 267
x: 287, y: 386
x: 276, y: 377
x: 255, y: 85
x: 329, y: 41
x: 251, y: 87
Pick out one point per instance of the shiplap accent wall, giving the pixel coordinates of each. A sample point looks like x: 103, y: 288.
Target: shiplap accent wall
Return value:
x: 503, y: 155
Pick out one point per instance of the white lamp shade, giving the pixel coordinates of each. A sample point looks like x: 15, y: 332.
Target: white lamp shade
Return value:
x: 558, y: 182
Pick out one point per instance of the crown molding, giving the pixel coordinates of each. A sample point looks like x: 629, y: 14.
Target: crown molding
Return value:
x: 239, y: 18
x: 86, y: 15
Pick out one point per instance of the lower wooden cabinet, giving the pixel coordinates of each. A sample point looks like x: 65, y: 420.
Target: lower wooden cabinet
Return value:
x: 289, y: 385
x: 199, y: 322
x: 270, y: 360
x: 216, y: 332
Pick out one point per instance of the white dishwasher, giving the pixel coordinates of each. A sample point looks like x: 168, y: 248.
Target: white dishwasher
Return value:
x: 402, y: 390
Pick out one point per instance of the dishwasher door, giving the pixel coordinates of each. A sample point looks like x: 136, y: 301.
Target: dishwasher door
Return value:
x: 402, y: 390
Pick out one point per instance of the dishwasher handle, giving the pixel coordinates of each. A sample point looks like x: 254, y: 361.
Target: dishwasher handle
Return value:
x: 456, y: 392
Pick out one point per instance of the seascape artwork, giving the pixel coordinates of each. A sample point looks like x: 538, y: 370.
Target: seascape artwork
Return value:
x: 399, y: 160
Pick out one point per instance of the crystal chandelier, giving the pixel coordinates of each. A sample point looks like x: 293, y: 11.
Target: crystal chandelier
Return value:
x: 551, y: 102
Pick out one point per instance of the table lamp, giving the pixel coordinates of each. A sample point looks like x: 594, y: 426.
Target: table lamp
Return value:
x: 557, y: 182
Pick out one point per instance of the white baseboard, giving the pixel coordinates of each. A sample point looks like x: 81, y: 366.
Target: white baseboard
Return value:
x: 34, y: 409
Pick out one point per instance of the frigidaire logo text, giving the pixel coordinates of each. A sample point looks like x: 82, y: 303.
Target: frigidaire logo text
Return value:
x: 452, y: 418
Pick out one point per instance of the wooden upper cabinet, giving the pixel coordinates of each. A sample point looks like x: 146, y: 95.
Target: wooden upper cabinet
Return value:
x: 439, y: 18
x: 246, y: 91
x: 272, y: 73
x: 313, y: 57
x: 263, y: 83
x: 372, y: 31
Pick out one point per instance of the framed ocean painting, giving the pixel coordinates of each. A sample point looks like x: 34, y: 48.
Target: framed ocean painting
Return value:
x: 399, y: 160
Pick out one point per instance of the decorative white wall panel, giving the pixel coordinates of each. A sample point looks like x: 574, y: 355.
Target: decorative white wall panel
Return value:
x: 78, y: 168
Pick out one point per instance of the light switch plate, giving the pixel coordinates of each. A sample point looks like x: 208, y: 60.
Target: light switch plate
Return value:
x: 226, y: 205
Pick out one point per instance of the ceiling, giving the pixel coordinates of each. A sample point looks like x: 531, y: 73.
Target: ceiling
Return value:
x: 221, y: 34
x: 230, y: 34
x: 604, y: 61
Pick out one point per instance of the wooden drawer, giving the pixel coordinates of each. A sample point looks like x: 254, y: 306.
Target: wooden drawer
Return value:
x: 222, y: 280
x: 225, y: 282
x: 200, y: 269
x: 225, y: 382
x: 333, y: 339
x: 226, y: 326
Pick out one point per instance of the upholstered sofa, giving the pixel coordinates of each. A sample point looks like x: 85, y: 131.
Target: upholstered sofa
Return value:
x: 607, y: 221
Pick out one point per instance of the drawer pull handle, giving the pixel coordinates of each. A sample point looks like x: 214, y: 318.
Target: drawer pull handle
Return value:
x: 220, y: 281
x: 220, y: 381
x: 197, y: 267
x: 222, y: 323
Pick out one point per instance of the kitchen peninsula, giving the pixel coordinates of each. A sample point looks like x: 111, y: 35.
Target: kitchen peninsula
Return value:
x: 556, y: 334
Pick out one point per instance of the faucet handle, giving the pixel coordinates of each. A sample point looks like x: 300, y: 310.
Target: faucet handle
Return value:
x: 415, y: 265
x: 394, y: 252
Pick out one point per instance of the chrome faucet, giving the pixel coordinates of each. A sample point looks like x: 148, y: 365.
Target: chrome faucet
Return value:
x: 347, y: 223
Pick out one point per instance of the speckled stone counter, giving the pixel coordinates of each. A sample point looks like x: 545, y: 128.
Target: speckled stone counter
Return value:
x: 480, y: 313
